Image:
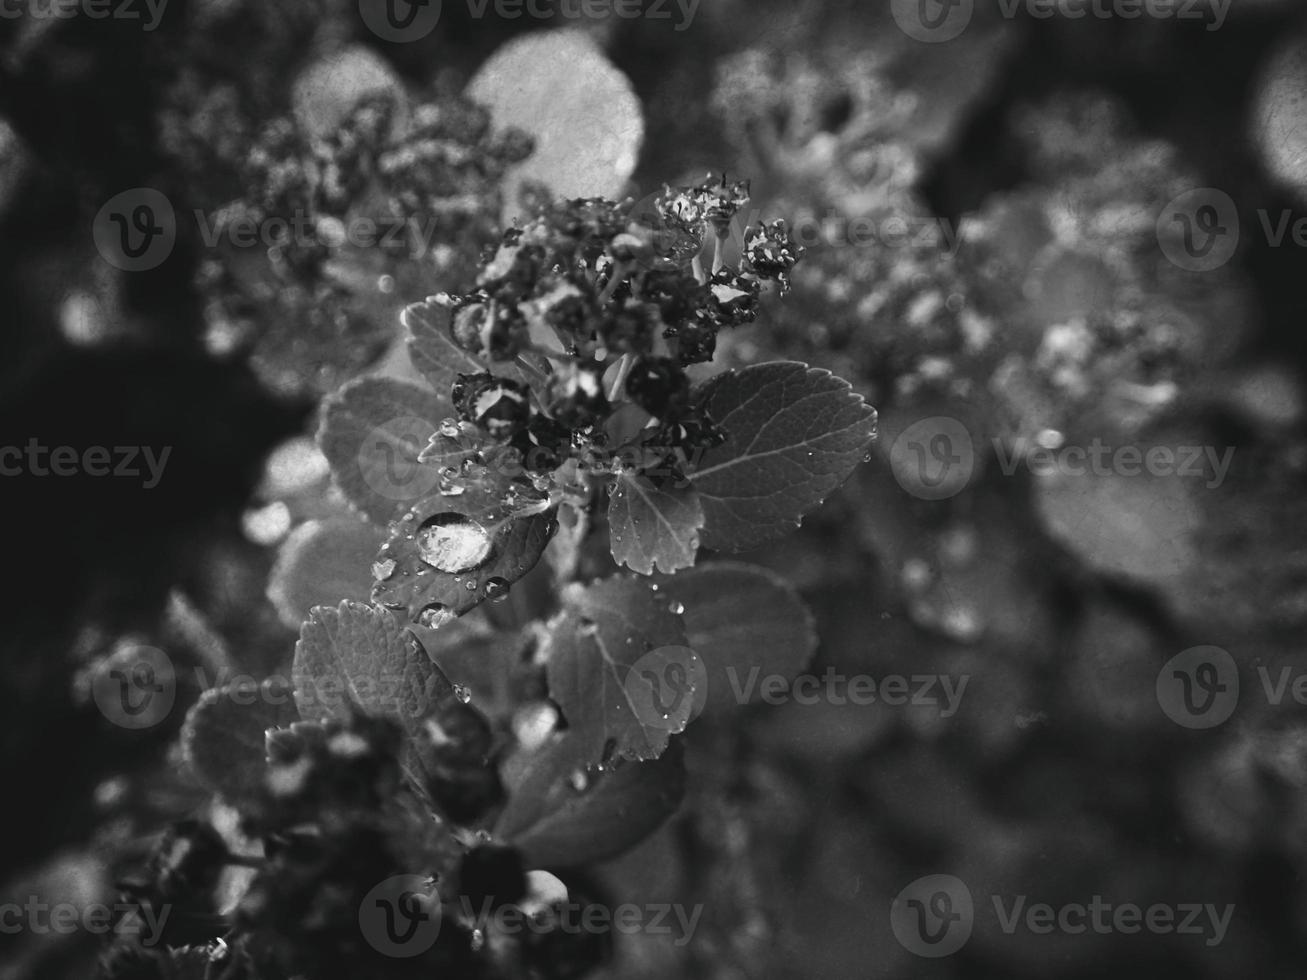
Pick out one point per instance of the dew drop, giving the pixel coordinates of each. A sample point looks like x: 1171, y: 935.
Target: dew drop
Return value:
x: 497, y: 589
x: 676, y: 607
x: 471, y: 585
x: 383, y: 569
x: 462, y: 693
x: 453, y: 542
x: 580, y: 780
x: 435, y: 616
x: 449, y: 428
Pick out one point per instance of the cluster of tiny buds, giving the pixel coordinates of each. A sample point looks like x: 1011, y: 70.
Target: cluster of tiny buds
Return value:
x: 605, y: 304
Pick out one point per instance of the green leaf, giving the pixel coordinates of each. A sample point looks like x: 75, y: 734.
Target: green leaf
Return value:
x: 433, y: 352
x: 590, y: 652
x: 582, y: 112
x: 653, y: 527
x: 482, y: 661
x: 742, y: 620
x: 322, y: 562
x: 555, y: 825
x: 794, y: 434
x: 448, y: 554
x: 371, y: 432
x: 1142, y: 528
x: 223, y: 737
x: 354, y: 654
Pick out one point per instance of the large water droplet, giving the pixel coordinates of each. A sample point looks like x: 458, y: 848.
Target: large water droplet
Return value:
x: 453, y: 543
x: 497, y: 589
x: 435, y: 616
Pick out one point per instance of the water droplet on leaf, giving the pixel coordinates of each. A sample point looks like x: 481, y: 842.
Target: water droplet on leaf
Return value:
x: 497, y: 589
x: 453, y: 543
x: 435, y: 616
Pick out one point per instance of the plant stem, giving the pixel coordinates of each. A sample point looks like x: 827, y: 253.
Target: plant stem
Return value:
x: 619, y: 382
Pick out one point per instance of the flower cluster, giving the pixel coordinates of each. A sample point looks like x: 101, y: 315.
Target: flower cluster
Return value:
x: 831, y: 124
x: 332, y: 229
x: 610, y: 303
